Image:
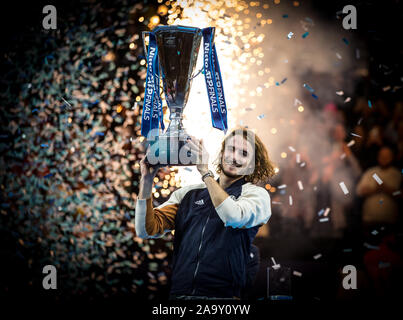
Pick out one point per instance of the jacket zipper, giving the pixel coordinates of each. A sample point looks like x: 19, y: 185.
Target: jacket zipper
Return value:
x: 198, y: 253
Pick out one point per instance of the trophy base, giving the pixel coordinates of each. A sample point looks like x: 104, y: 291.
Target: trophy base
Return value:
x: 170, y: 151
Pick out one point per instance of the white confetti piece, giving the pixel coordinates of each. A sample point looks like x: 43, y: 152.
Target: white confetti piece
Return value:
x: 297, y: 273
x: 291, y: 148
x: 369, y: 246
x: 302, y: 164
x: 377, y: 179
x: 274, y: 261
x: 316, y: 257
x: 342, y: 156
x: 297, y: 102
x: 343, y: 187
x: 351, y: 143
x: 300, y: 186
x: 261, y: 116
x: 276, y: 266
x: 355, y: 135
x: 326, y: 212
x: 276, y: 202
x: 289, y: 36
x: 339, y: 93
x: 323, y: 219
x: 348, y: 99
x: 298, y: 158
x: 290, y: 200
x: 374, y: 232
x: 338, y: 55
x: 282, y: 186
x: 396, y: 193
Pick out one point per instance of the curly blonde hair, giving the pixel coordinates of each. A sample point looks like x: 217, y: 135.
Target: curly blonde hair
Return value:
x: 264, y: 168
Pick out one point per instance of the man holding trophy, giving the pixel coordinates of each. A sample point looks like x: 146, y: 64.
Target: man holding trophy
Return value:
x: 216, y: 221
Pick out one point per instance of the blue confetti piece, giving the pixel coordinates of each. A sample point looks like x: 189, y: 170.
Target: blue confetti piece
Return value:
x: 370, y: 103
x: 277, y: 83
x: 36, y: 109
x: 305, y: 35
x: 285, y: 15
x: 308, y: 87
x: 284, y: 80
x: 315, y: 96
x: 345, y: 41
x: 44, y: 145
x: 99, y: 133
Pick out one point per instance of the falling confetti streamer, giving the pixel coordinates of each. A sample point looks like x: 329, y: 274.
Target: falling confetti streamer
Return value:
x: 343, y: 187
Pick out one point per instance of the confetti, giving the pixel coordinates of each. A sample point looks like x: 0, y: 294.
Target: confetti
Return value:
x: 396, y: 193
x: 316, y: 257
x: 261, y: 116
x: 291, y: 149
x: 297, y: 102
x: 323, y: 219
x: 297, y: 273
x: 377, y: 179
x: 300, y: 186
x: 343, y: 187
x: 282, y: 186
x: 345, y: 41
x: 305, y: 35
x: 290, y: 200
x: 289, y: 36
x: 351, y: 143
x: 339, y: 93
x: 348, y: 99
x: 298, y: 158
x: 355, y: 135
x: 370, y: 103
x: 306, y: 86
x: 382, y: 265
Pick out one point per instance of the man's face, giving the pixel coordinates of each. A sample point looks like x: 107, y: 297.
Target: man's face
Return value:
x: 238, y: 154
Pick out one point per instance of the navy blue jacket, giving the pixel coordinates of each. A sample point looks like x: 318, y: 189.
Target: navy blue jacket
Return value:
x: 210, y: 255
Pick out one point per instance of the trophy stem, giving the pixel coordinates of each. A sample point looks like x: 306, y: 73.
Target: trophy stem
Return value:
x: 175, y: 117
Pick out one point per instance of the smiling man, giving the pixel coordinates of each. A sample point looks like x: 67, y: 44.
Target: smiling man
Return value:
x: 215, y: 222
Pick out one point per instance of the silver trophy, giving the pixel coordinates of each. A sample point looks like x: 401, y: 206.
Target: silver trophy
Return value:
x: 178, y: 49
